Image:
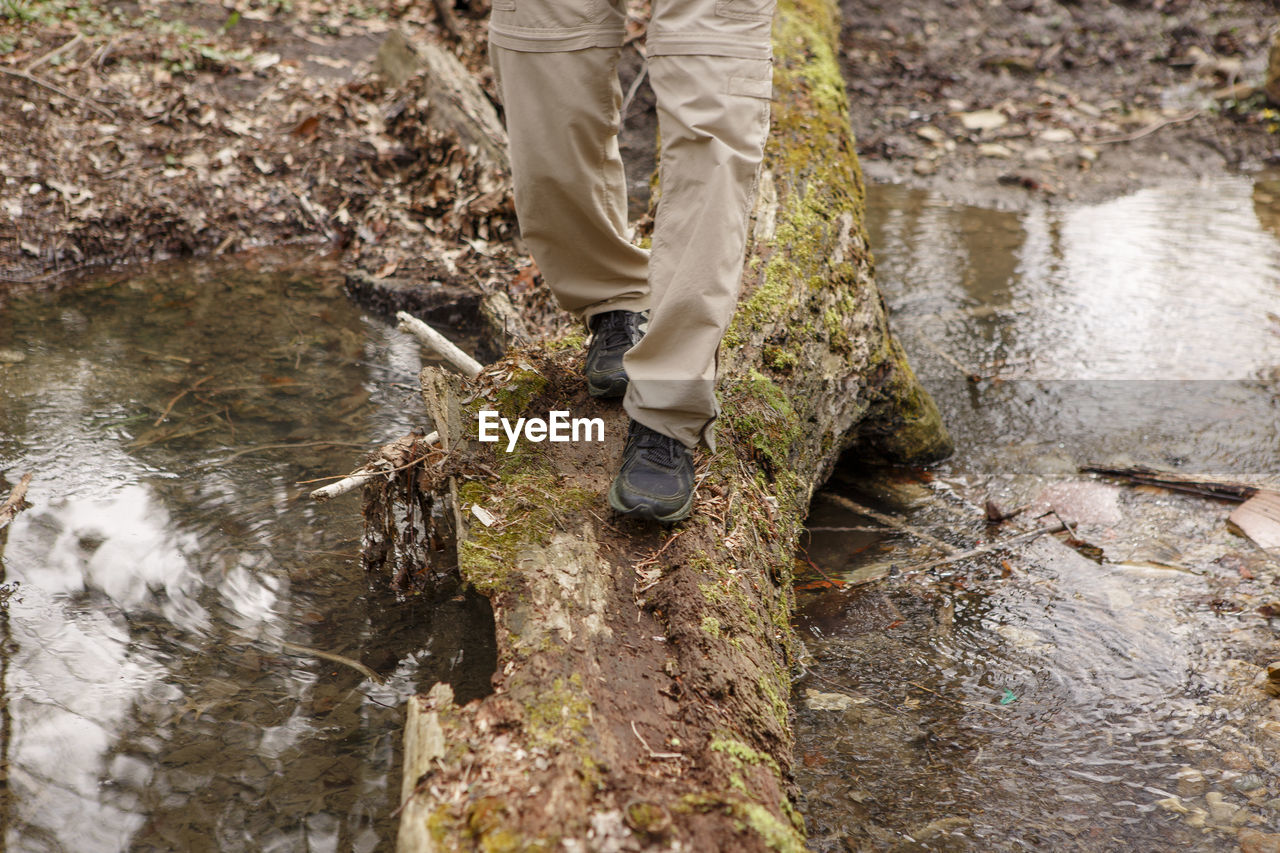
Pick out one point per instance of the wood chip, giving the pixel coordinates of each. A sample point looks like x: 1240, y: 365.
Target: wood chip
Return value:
x: 1259, y: 519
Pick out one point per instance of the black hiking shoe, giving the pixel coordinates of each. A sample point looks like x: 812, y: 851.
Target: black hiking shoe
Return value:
x: 656, y: 477
x: 612, y: 334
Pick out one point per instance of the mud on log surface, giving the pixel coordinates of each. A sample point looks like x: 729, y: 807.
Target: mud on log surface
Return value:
x: 640, y: 700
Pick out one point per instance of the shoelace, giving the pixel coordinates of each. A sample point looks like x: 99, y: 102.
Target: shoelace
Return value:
x: 616, y: 330
x: 657, y: 448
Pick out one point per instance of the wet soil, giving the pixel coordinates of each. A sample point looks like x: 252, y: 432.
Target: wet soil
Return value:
x: 1062, y: 99
x: 139, y: 131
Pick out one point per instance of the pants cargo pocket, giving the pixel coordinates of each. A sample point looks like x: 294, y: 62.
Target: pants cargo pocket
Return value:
x: 746, y: 10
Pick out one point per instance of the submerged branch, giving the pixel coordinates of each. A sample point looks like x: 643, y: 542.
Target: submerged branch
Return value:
x: 16, y: 502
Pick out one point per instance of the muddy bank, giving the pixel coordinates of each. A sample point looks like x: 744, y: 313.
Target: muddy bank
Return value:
x: 137, y: 131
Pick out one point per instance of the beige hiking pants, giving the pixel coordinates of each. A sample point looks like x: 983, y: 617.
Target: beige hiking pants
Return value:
x: 710, y: 67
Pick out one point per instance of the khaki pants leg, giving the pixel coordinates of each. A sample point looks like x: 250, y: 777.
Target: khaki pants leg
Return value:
x: 710, y: 69
x: 570, y: 189
x: 713, y: 113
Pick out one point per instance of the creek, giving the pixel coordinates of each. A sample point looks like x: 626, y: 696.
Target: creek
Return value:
x: 1040, y: 698
x: 174, y: 603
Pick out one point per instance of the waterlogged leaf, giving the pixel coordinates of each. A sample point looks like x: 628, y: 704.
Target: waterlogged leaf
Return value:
x: 1009, y: 697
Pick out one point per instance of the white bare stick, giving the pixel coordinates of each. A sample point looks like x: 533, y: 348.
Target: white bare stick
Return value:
x: 15, y: 503
x: 439, y: 344
x: 369, y: 472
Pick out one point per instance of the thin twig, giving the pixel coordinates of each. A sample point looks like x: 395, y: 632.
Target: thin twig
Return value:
x: 319, y: 653
x: 890, y: 521
x: 1148, y: 130
x: 31, y: 78
x: 63, y: 48
x: 634, y: 88
x: 439, y: 344
x: 246, y: 451
x: 1002, y: 545
x: 649, y: 749
x: 16, y: 502
x: 174, y: 401
x: 358, y: 478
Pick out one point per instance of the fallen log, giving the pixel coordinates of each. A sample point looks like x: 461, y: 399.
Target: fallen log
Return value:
x: 641, y: 696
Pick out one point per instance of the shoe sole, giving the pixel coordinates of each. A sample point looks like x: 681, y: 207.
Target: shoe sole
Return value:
x: 646, y: 512
x: 614, y: 389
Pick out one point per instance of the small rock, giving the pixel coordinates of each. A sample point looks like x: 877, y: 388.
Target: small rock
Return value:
x: 925, y: 167
x: 1220, y: 811
x: 1248, y: 782
x: 931, y: 134
x: 12, y: 356
x: 941, y: 826
x: 1252, y: 841
x: 1237, y: 760
x: 1037, y: 155
x: 1197, y: 818
x: 983, y: 120
x: 818, y: 701
x: 995, y: 150
x: 1057, y: 134
x: 1191, y: 782
x: 1088, y: 154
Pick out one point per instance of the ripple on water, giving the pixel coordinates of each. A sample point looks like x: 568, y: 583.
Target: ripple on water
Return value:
x: 157, y: 689
x: 1058, y: 701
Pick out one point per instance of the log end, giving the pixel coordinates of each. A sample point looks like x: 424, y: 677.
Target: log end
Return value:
x: 904, y: 425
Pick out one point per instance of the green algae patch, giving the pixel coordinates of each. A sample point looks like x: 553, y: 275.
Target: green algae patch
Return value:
x: 748, y: 817
x: 528, y: 509
x: 561, y: 715
x: 763, y: 419
x: 742, y: 754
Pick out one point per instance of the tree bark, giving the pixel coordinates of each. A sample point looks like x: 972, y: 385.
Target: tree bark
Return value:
x: 641, y: 697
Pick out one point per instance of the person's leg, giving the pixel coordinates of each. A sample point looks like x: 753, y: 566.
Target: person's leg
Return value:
x: 713, y: 116
x: 709, y: 64
x: 570, y: 190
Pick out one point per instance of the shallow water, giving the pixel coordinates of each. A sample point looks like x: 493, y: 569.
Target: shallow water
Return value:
x: 159, y: 692
x: 1039, y: 698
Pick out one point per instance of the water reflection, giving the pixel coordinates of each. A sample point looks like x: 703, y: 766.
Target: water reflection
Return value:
x: 173, y: 675
x: 1050, y: 700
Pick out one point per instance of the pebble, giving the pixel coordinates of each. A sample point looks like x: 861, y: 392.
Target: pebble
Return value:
x: 983, y: 120
x: 818, y: 701
x: 995, y: 150
x: 1248, y: 782
x: 1252, y: 841
x: 1057, y: 134
x: 925, y: 167
x: 1220, y: 811
x: 1191, y: 782
x: 931, y: 134
x: 12, y: 356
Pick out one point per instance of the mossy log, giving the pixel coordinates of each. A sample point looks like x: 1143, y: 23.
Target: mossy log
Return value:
x: 641, y: 696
